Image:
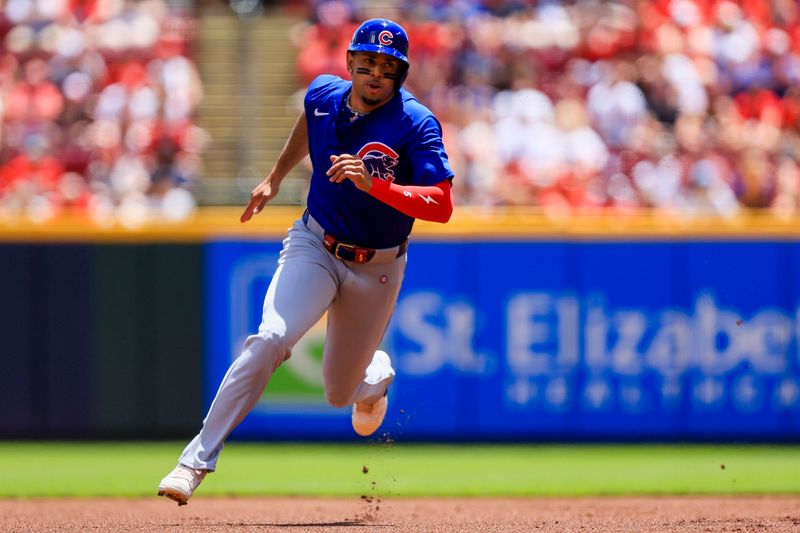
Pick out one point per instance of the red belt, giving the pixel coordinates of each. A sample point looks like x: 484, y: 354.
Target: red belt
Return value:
x: 353, y: 253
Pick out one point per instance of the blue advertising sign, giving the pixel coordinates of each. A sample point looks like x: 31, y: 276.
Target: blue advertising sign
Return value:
x: 550, y: 340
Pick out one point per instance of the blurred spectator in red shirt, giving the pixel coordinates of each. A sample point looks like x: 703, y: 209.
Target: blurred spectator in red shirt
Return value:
x: 33, y: 172
x: 34, y: 97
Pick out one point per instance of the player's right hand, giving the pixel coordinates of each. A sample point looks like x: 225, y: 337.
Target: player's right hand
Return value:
x: 263, y: 193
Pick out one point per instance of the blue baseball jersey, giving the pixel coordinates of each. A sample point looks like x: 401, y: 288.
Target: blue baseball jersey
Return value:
x: 400, y: 141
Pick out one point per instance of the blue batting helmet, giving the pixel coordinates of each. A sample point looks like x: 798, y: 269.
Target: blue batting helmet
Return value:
x: 383, y: 37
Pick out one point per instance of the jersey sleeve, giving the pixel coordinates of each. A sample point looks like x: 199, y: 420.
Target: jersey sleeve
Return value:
x: 429, y: 162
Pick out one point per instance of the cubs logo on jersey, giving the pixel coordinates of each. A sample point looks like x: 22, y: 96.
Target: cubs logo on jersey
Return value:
x: 379, y: 159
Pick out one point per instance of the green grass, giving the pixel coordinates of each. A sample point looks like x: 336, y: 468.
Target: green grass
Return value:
x: 29, y: 469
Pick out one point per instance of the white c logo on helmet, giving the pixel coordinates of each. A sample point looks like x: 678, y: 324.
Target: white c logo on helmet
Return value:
x: 385, y: 38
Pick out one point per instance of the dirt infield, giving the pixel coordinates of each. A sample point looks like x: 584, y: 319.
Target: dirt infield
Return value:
x: 639, y: 514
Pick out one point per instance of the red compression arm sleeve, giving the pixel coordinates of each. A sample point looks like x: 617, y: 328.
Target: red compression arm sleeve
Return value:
x: 433, y: 203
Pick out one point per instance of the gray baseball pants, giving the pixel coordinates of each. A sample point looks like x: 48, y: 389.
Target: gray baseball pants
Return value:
x: 359, y: 298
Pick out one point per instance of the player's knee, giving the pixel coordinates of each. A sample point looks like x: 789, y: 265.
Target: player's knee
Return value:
x: 270, y: 350
x: 338, y: 397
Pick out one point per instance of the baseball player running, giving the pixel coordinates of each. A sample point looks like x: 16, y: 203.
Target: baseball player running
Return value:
x: 378, y: 164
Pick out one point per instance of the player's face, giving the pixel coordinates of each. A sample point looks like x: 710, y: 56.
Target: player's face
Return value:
x: 374, y: 76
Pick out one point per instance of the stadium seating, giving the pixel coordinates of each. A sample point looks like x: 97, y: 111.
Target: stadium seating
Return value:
x: 684, y: 106
x: 98, y: 102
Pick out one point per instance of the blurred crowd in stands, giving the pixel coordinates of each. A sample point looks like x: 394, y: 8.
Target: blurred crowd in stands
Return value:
x: 97, y: 104
x: 686, y: 106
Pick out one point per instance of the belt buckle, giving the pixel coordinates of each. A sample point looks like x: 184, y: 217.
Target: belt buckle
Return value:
x: 349, y: 248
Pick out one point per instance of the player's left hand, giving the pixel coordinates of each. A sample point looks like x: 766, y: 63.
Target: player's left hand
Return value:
x: 351, y: 167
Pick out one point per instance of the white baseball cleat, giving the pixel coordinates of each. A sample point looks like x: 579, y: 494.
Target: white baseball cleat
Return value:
x: 368, y: 418
x: 181, y: 483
